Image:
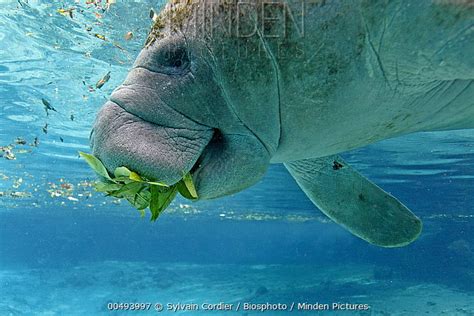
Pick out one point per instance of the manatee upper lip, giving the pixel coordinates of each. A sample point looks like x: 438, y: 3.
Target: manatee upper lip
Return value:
x: 199, y: 161
x: 146, y: 103
x: 118, y: 103
x: 186, y: 160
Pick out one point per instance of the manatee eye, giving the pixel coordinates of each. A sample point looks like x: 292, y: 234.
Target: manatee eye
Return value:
x: 175, y: 57
x: 177, y: 63
x: 168, y: 56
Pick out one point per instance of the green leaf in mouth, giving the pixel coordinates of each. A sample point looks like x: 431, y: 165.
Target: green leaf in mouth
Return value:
x: 96, y: 165
x: 122, y: 172
x: 106, y: 187
x: 186, y: 187
x: 138, y: 190
x: 160, y: 200
x: 188, y: 183
x: 128, y: 190
x: 134, y: 176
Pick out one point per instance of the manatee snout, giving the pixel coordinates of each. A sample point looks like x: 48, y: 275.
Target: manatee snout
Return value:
x: 157, y: 152
x: 220, y: 164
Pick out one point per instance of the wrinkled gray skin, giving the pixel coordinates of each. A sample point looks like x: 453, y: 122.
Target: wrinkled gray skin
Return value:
x: 364, y: 71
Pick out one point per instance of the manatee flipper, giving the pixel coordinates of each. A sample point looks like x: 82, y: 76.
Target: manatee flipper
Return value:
x: 354, y: 202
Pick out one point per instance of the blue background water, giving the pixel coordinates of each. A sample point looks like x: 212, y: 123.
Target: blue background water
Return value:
x: 65, y: 249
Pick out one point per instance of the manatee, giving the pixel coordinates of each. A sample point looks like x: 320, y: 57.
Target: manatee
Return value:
x: 222, y: 89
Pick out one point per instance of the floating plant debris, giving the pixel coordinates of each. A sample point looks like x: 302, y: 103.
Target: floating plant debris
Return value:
x: 19, y: 194
x: 102, y: 81
x: 7, y: 153
x: 35, y: 142
x: 47, y: 106
x: 128, y: 36
x: 153, y: 15
x: 118, y: 46
x: 102, y: 37
x: 20, y: 141
x: 66, y: 12
x: 139, y: 191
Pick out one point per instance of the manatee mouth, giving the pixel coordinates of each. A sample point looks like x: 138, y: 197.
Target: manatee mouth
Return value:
x: 156, y: 152
x: 140, y: 132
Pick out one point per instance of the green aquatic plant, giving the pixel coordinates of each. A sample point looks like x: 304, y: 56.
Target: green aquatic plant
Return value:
x: 139, y: 191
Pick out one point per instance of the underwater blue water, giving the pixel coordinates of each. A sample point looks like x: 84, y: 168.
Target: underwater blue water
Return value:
x: 67, y: 250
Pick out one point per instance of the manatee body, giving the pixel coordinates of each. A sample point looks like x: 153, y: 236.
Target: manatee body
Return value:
x: 224, y: 88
